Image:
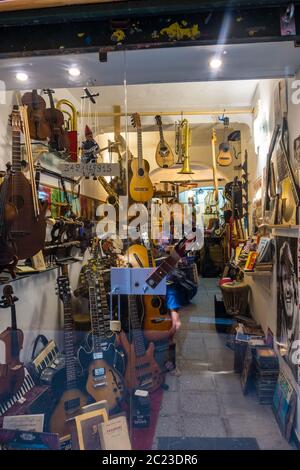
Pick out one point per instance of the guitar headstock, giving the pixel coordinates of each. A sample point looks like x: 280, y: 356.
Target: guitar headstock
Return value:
x: 63, y: 289
x: 15, y: 120
x: 158, y: 120
x: 8, y: 297
x: 136, y: 121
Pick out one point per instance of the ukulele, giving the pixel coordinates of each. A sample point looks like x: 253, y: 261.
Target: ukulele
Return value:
x: 224, y: 157
x: 29, y: 226
x: 8, y: 213
x: 164, y: 155
x: 12, y: 378
x: 104, y: 381
x: 142, y: 371
x: 72, y: 399
x: 36, y: 106
x: 59, y: 139
x: 140, y: 188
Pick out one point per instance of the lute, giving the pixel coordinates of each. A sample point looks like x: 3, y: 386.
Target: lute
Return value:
x: 164, y: 155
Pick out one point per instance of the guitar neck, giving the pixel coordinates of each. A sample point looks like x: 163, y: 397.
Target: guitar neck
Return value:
x: 69, y: 346
x: 140, y: 148
x: 137, y: 335
x: 161, y: 135
x: 16, y: 151
x: 14, y: 343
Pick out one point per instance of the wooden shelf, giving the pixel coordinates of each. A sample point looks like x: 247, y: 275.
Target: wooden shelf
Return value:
x: 257, y: 273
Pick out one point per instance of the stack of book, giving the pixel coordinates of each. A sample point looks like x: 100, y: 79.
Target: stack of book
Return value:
x: 264, y: 267
x: 266, y: 370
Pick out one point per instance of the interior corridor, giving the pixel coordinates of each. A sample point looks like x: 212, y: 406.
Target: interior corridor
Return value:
x: 204, y: 407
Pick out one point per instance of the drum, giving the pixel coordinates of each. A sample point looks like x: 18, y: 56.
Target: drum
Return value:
x: 236, y: 297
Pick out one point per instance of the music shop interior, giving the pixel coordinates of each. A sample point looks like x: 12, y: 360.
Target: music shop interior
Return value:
x: 112, y: 338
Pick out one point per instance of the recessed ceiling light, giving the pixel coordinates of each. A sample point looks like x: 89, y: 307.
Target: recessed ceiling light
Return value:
x: 22, y: 76
x: 74, y: 71
x: 215, y: 63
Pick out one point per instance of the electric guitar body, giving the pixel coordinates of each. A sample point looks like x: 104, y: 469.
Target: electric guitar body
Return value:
x: 141, y: 371
x: 68, y: 406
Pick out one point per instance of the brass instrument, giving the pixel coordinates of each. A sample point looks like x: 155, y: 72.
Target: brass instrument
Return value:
x: 73, y: 118
x: 185, y: 139
x: 178, y: 142
x: 113, y: 197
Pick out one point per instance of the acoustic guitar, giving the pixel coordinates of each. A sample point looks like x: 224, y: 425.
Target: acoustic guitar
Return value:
x: 164, y: 156
x: 29, y: 226
x: 104, y: 381
x: 142, y: 371
x: 225, y: 157
x: 140, y: 187
x: 72, y: 398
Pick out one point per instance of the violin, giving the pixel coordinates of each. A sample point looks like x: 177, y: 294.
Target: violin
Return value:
x: 8, y: 213
x: 12, y: 372
x: 59, y: 139
x: 38, y: 125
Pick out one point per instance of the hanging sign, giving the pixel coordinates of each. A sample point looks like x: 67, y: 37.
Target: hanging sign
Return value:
x: 89, y: 169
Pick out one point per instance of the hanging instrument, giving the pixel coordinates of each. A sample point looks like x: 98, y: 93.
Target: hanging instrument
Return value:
x: 29, y: 227
x: 59, y: 140
x: 72, y: 398
x: 164, y: 155
x: 225, y: 157
x: 72, y: 127
x: 8, y: 213
x: 140, y: 188
x: 36, y: 106
x: 213, y: 148
x: 12, y: 377
x: 185, y: 139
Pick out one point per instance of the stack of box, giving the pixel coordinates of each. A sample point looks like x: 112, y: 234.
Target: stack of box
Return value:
x: 266, y: 370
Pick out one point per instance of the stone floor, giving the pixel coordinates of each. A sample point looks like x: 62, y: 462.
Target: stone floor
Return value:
x: 206, y: 400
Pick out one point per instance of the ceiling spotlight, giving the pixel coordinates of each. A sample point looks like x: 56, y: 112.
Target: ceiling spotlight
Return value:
x: 22, y: 76
x: 215, y: 63
x: 74, y: 71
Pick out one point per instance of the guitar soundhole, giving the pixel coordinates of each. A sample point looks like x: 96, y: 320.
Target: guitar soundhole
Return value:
x: 141, y: 172
x: 155, y: 302
x: 165, y: 166
x: 17, y: 201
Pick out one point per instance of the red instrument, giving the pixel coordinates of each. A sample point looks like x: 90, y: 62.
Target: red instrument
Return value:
x: 12, y: 372
x: 36, y: 107
x: 59, y: 137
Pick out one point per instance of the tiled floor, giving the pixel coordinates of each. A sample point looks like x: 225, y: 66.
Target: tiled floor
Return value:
x: 206, y: 400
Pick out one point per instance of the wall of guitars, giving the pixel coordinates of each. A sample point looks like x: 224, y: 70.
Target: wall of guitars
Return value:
x: 69, y: 344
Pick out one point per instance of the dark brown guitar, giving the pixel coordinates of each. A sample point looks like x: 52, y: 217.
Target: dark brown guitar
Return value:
x: 8, y: 213
x: 72, y: 398
x: 59, y: 139
x: 28, y: 228
x: 142, y: 371
x: 12, y: 372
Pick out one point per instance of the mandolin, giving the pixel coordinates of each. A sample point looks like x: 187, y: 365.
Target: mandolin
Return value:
x: 225, y: 157
x: 164, y: 155
x: 104, y: 381
x: 140, y: 187
x: 8, y: 213
x: 36, y: 106
x: 72, y: 398
x: 142, y: 371
x: 59, y: 139
x: 28, y: 227
x: 12, y: 375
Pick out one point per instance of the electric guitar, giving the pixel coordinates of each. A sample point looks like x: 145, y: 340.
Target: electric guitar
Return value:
x: 225, y: 157
x: 164, y: 155
x: 142, y: 371
x: 72, y: 399
x: 140, y: 187
x: 104, y: 381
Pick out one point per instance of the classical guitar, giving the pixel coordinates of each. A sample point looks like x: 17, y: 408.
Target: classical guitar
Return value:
x: 164, y: 155
x: 72, y: 398
x: 225, y: 157
x: 12, y: 374
x: 142, y: 371
x: 140, y: 188
x: 104, y: 381
x: 29, y: 226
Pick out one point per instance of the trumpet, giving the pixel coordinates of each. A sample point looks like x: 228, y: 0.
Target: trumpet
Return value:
x: 184, y: 142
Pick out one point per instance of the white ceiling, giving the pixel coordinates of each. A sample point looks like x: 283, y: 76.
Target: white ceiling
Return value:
x: 167, y: 65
